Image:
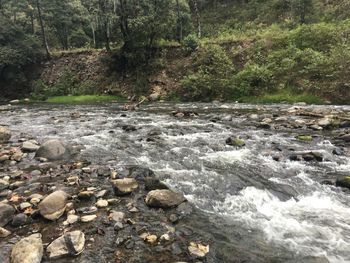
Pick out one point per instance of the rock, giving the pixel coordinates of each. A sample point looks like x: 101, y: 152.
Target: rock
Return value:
x: 5, y: 134
x: 25, y: 205
x: 344, y: 124
x: 198, y: 250
x: 338, y: 151
x: 14, y: 101
x: 237, y: 142
x: 116, y: 216
x: 4, y: 232
x: 304, y: 138
x: 28, y: 250
x: 86, y: 194
x: 152, y: 183
x: 54, y: 205
x: 343, y: 181
x: 102, y: 203
x: 4, y: 157
x: 325, y: 122
x: 124, y: 186
x: 89, y: 218
x: 53, y: 150
x: 345, y: 137
x: 164, y: 198
x: 30, y: 146
x: 71, y: 243
x: 154, y: 96
x: 6, y: 214
x: 72, y: 219
x: 20, y: 220
x: 4, y: 184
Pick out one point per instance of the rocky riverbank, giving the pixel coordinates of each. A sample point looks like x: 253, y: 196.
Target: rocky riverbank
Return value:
x: 57, y: 208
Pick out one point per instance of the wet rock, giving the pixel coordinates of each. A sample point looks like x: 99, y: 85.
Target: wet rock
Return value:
x: 304, y: 138
x: 86, y: 194
x: 124, y: 186
x: 198, y: 250
x: 6, y: 214
x: 152, y: 183
x: 164, y: 198
x: 344, y: 124
x: 338, y: 151
x: 4, y: 184
x: 4, y: 232
x: 325, y: 122
x: 5, y: 134
x: 343, y: 181
x: 264, y: 125
x: 234, y: 141
x: 116, y: 216
x: 53, y: 150
x: 20, y: 220
x: 29, y: 146
x: 28, y: 250
x: 345, y: 137
x: 154, y: 96
x: 14, y: 101
x: 54, y: 205
x: 4, y: 158
x: 71, y: 243
x: 89, y: 218
x: 71, y: 219
x: 102, y: 203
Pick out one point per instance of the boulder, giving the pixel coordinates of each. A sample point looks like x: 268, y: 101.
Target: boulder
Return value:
x: 71, y: 243
x: 4, y: 232
x: 6, y: 214
x: 29, y: 146
x: 5, y: 134
x: 343, y: 181
x: 124, y: 186
x: 345, y: 137
x: 28, y: 250
x: 53, y: 150
x: 164, y: 198
x: 54, y: 205
x: 154, y: 96
x: 237, y: 142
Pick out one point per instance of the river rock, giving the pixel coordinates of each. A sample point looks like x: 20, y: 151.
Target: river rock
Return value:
x: 54, y: 205
x: 237, y: 142
x: 325, y: 122
x: 29, y: 146
x: 4, y: 232
x: 345, y: 137
x: 28, y: 250
x: 5, y: 134
x: 89, y: 218
x: 124, y: 186
x: 154, y: 96
x: 343, y: 181
x: 20, y: 220
x: 102, y: 203
x: 164, y: 198
x: 4, y: 184
x: 53, y: 150
x: 6, y: 214
x: 198, y: 250
x: 152, y: 183
x: 71, y: 243
x: 116, y: 216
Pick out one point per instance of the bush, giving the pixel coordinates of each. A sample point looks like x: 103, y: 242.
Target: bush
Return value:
x: 79, y: 39
x: 40, y: 91
x: 67, y: 84
x: 212, y: 77
x: 191, y: 43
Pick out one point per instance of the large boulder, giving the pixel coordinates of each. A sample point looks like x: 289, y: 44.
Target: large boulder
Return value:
x: 54, y: 205
x: 5, y: 134
x: 6, y: 214
x: 54, y: 150
x: 71, y: 243
x: 343, y: 181
x: 28, y: 250
x: 124, y: 186
x: 164, y: 198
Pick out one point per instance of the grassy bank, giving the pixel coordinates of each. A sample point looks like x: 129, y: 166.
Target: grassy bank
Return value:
x: 284, y: 96
x: 84, y: 99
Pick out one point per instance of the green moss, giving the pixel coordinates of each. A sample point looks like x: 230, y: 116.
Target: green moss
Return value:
x: 84, y: 99
x: 304, y: 138
x: 235, y: 142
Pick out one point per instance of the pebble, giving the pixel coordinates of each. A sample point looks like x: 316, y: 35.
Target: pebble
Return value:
x: 102, y: 203
x: 4, y: 232
x: 88, y: 218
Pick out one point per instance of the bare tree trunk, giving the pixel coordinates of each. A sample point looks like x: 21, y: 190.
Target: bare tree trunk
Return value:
x: 48, y: 55
x: 93, y: 34
x: 198, y: 18
x: 179, y: 22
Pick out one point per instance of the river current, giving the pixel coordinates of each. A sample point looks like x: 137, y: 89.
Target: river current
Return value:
x: 253, y: 207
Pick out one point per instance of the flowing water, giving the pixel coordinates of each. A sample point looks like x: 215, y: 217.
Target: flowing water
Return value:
x: 253, y: 208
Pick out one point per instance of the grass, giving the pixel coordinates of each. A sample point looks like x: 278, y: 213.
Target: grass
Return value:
x: 84, y: 99
x: 284, y: 96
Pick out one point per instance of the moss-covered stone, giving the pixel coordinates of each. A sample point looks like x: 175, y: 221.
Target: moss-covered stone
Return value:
x: 343, y: 181
x: 235, y: 142
x: 304, y: 138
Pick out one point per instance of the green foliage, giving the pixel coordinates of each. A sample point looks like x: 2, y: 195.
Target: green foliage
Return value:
x: 212, y: 77
x: 191, y: 43
x: 40, y: 91
x: 79, y: 39
x: 84, y: 99
x: 66, y: 85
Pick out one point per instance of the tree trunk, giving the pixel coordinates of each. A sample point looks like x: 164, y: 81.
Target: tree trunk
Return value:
x: 179, y: 22
x: 93, y: 34
x: 198, y: 18
x: 45, y: 44
x: 106, y: 32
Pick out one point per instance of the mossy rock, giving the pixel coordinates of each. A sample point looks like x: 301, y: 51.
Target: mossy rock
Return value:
x: 305, y: 138
x: 343, y: 181
x: 235, y: 142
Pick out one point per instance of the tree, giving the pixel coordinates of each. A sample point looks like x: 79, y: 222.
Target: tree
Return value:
x: 43, y: 32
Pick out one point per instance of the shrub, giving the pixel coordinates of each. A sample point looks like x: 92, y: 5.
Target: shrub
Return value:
x: 40, y: 90
x: 67, y: 84
x: 191, y: 43
x: 79, y: 39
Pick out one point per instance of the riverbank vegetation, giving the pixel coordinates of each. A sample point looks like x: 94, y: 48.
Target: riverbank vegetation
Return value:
x: 190, y: 50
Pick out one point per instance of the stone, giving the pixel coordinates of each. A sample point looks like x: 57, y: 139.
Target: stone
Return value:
x: 54, y: 205
x: 198, y: 250
x: 53, y: 150
x: 5, y: 134
x: 25, y: 205
x: 71, y: 243
x: 20, y: 220
x: 304, y: 138
x: 345, y: 137
x: 72, y: 219
x: 164, y: 198
x: 85, y: 194
x: 124, y: 186
x: 89, y: 218
x: 4, y: 232
x: 343, y: 181
x: 152, y: 183
x: 4, y: 184
x: 102, y: 203
x: 237, y: 142
x: 116, y: 216
x: 154, y: 96
x: 151, y: 239
x: 28, y: 250
x: 14, y: 101
x: 4, y: 158
x: 29, y: 146
x: 325, y: 122
x: 6, y: 214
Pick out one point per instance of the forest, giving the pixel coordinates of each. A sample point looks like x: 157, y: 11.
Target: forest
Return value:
x: 245, y: 50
